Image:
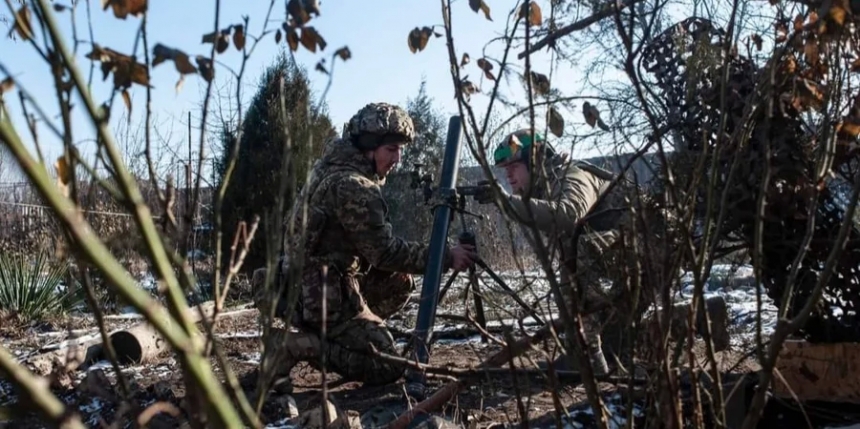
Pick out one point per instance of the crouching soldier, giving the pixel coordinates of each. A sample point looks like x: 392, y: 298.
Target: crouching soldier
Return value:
x: 368, y: 268
x: 570, y: 191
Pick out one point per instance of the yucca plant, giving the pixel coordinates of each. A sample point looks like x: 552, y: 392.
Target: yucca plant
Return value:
x: 33, y: 288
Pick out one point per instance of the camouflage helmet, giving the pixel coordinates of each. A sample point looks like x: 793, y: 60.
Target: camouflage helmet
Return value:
x: 377, y: 124
x: 516, y: 147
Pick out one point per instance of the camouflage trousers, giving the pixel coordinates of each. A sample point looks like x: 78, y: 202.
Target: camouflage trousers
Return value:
x: 354, y: 333
x: 596, y: 255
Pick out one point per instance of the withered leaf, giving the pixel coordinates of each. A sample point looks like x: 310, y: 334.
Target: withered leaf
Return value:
x: 809, y: 94
x: 855, y: 66
x: 479, y: 5
x: 465, y: 59
x: 123, y: 8
x: 239, y: 36
x: 838, y: 11
x: 292, y: 39
x: 180, y: 59
x: 60, y: 7
x: 6, y: 85
x: 297, y: 9
x: 418, y: 39
x: 22, y: 23
x: 848, y: 128
x: 540, y: 83
x: 535, y: 17
x: 798, y: 23
x: 757, y: 41
x: 221, y: 39
x: 344, y: 53
x: 810, y: 51
x: 468, y: 87
x: 486, y: 67
x: 126, y: 98
x: 311, y: 39
x: 781, y: 32
x: 206, y: 69
x: 125, y: 71
x: 592, y: 116
x: 556, y: 122
x: 64, y: 171
x: 278, y: 36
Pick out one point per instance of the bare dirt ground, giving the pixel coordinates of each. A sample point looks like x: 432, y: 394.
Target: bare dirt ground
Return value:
x: 489, y: 401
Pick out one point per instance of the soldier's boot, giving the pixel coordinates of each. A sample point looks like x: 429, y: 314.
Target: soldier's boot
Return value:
x: 283, y: 352
x: 594, y: 349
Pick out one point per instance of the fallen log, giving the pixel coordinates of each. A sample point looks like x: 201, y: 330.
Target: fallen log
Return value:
x: 137, y: 344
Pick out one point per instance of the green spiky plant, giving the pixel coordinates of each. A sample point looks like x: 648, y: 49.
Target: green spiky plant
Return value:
x: 33, y: 288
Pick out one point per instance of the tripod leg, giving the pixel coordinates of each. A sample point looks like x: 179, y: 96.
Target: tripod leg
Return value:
x: 510, y: 291
x: 447, y: 285
x: 479, y: 303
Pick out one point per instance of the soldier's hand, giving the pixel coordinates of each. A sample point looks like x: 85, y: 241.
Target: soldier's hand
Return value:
x: 463, y: 256
x: 485, y: 192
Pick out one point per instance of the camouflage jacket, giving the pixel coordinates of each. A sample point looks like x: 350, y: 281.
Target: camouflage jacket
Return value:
x: 569, y: 191
x: 348, y: 228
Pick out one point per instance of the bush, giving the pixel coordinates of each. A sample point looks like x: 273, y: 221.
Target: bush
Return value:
x: 35, y: 288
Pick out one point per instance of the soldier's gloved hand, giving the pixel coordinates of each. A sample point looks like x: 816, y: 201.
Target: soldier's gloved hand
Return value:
x: 485, y: 192
x: 463, y: 256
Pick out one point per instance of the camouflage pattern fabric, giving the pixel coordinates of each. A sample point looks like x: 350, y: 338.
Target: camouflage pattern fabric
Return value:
x: 379, y: 119
x: 367, y: 267
x: 348, y: 231
x: 569, y: 192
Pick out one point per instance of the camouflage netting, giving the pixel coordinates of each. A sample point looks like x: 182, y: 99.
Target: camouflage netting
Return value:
x: 687, y: 61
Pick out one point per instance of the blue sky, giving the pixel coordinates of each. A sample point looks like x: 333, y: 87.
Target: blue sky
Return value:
x: 382, y: 68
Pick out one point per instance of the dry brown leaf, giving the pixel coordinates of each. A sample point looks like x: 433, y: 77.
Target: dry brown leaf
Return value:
x: 293, y: 39
x: 487, y: 68
x: 278, y: 36
x: 299, y: 12
x: 798, y: 23
x: 810, y: 52
x: 839, y: 9
x: 221, y: 39
x: 848, y: 128
x: 556, y: 122
x: 781, y: 32
x: 855, y: 66
x: 467, y: 87
x: 535, y: 17
x: 22, y: 23
x: 311, y: 39
x: 465, y: 60
x: 344, y: 53
x: 180, y: 59
x: 126, y: 98
x: 63, y: 170
x: 6, y: 85
x: 125, y: 71
x: 123, y: 8
x: 239, y: 36
x: 206, y: 69
x: 540, y: 83
x: 479, y: 5
x: 809, y: 94
x: 60, y: 7
x: 418, y: 39
x: 757, y: 41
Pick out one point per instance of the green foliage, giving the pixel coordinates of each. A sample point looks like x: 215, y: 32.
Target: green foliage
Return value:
x: 33, y: 288
x: 253, y: 186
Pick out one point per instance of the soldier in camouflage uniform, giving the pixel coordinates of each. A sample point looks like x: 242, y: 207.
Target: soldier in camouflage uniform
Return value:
x: 568, y: 193
x: 367, y: 267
